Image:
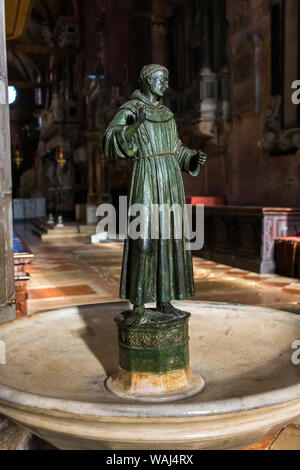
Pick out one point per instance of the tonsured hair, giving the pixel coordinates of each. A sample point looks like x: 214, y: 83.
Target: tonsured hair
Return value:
x: 147, y: 71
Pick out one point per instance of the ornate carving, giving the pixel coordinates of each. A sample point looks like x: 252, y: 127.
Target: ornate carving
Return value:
x: 153, y: 337
x: 276, y: 139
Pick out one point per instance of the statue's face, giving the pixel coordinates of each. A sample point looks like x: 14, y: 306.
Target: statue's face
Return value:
x: 159, y: 83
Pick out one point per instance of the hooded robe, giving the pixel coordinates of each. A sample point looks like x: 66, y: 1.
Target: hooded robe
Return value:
x: 153, y: 269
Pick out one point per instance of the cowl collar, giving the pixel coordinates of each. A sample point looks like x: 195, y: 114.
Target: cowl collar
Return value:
x: 154, y: 113
x: 138, y: 95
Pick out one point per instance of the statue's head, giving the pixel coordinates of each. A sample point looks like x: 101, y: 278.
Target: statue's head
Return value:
x: 154, y: 78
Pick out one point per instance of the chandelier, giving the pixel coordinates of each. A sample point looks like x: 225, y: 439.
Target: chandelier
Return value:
x: 61, y: 153
x: 17, y: 158
x: 61, y: 157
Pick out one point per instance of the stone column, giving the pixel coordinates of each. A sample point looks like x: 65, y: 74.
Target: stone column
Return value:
x: 208, y: 81
x: 221, y: 64
x: 140, y: 38
x: 91, y: 189
x: 7, y: 285
x: 159, y: 32
x: 206, y: 39
x: 97, y: 164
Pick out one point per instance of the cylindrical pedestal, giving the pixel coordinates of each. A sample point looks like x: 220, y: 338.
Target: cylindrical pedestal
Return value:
x: 154, y: 359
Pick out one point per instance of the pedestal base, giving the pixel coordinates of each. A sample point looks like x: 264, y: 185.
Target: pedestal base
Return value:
x: 175, y: 385
x: 154, y: 358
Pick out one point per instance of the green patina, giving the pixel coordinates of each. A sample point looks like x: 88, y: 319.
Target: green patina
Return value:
x: 155, y: 267
x: 144, y: 131
x: 154, y: 360
x: 158, y: 346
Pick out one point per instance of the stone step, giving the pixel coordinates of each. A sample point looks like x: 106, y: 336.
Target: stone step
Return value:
x: 12, y: 436
x: 69, y: 230
x: 87, y: 229
x: 63, y: 230
x: 63, y: 235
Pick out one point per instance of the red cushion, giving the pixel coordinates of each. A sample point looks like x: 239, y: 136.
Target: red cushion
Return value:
x: 206, y: 200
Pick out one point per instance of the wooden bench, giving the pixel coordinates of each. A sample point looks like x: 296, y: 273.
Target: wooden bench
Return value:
x: 22, y: 258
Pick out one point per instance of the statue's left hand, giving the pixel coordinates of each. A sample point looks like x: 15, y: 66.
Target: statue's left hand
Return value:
x: 201, y: 158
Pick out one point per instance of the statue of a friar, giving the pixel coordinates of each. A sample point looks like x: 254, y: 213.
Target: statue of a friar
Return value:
x: 144, y: 130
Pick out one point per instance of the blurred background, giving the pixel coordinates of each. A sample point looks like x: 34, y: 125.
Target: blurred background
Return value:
x: 72, y: 63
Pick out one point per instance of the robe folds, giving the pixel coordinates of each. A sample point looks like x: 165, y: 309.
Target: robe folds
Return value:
x: 153, y: 269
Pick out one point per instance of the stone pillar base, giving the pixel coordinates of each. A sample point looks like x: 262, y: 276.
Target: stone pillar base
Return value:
x: 154, y: 359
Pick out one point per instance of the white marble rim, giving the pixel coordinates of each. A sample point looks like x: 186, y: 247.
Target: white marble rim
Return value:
x: 19, y: 399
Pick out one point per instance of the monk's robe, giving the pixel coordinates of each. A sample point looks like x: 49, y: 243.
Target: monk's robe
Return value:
x: 153, y: 269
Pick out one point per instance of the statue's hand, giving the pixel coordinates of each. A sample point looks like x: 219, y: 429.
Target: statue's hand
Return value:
x: 141, y: 114
x: 201, y: 158
x: 140, y: 118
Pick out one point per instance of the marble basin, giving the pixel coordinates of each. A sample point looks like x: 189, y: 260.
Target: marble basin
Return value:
x: 57, y: 363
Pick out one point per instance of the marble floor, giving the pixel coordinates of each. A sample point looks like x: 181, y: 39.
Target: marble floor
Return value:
x: 71, y: 271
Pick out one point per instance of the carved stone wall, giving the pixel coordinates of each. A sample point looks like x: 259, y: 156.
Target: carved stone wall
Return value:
x: 221, y: 91
x: 255, y: 175
x: 197, y: 59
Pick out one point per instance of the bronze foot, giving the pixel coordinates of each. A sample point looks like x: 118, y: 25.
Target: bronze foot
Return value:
x: 135, y: 317
x: 169, y: 309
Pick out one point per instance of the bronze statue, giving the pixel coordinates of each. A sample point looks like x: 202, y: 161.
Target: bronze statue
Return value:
x: 144, y: 130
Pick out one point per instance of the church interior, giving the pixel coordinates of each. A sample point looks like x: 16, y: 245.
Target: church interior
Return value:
x: 69, y: 66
